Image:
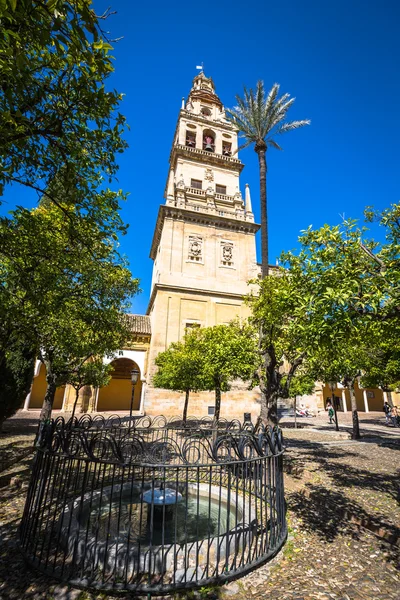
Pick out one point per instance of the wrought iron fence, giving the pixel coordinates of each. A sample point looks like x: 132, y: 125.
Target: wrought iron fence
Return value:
x: 151, y: 506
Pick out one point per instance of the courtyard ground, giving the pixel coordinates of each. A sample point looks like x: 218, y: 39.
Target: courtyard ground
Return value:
x: 343, y: 510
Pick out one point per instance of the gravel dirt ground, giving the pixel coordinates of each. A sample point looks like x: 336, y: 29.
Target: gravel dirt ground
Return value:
x: 343, y: 501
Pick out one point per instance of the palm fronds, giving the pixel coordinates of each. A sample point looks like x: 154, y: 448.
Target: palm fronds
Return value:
x: 259, y: 117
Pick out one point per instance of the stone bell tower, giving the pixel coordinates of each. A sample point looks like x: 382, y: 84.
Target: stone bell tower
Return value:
x: 203, y: 247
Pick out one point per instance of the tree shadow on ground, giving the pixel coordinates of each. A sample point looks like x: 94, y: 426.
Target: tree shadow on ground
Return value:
x: 327, y: 510
x: 328, y: 513
x: 344, y: 475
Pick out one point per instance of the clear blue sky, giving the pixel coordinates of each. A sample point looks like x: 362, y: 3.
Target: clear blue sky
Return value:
x: 340, y: 59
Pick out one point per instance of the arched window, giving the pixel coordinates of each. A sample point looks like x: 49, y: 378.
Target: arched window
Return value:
x: 226, y: 148
x: 190, y: 138
x: 209, y: 140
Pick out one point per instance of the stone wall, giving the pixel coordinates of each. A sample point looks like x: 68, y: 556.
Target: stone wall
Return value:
x: 233, y: 403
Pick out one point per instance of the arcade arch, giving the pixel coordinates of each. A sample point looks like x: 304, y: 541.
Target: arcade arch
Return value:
x: 117, y: 394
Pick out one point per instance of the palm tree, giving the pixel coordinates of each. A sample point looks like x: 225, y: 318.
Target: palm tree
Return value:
x: 260, y: 120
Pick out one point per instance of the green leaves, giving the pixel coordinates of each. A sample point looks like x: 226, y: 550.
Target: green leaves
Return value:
x: 208, y: 358
x: 64, y: 283
x: 54, y: 64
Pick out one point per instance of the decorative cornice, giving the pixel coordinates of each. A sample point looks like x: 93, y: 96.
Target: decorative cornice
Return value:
x: 227, y: 162
x: 190, y: 216
x: 198, y: 118
x: 187, y: 290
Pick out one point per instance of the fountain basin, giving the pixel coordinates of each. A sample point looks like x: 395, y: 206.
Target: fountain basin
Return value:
x: 169, y: 539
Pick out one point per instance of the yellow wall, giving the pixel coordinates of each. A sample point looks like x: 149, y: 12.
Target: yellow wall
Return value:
x: 39, y: 389
x: 117, y: 394
x: 374, y: 404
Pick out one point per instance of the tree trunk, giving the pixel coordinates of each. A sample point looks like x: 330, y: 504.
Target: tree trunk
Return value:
x: 269, y: 407
x: 217, y: 400
x: 295, y: 412
x: 75, y: 403
x: 185, y: 408
x: 48, y: 398
x: 261, y: 151
x: 356, y: 426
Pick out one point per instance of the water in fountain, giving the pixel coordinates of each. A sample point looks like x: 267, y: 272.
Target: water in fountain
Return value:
x: 194, y: 517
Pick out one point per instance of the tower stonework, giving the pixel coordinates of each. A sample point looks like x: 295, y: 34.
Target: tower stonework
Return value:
x: 203, y: 248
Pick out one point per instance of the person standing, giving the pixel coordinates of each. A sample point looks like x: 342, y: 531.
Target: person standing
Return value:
x: 388, y: 411
x: 395, y: 416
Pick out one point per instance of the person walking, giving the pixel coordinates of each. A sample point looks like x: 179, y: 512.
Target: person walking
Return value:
x: 387, y: 409
x: 331, y: 412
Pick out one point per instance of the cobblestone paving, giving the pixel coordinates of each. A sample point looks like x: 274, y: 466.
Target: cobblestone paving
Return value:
x: 343, y: 510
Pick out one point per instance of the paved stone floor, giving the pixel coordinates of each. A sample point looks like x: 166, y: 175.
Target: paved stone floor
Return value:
x: 343, y: 510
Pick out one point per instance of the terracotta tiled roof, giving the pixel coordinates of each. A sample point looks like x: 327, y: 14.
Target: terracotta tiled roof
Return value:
x: 139, y: 324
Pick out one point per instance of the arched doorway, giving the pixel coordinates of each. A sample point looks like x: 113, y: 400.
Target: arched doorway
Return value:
x: 117, y: 394
x: 38, y: 391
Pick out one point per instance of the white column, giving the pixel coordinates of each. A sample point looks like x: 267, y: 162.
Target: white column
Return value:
x: 344, y: 401
x: 365, y: 396
x: 248, y: 199
x: 28, y: 399
x: 96, y: 400
x: 64, y: 399
x: 385, y: 396
x: 142, y: 394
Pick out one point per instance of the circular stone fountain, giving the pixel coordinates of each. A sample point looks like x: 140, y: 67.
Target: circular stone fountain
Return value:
x: 154, y: 508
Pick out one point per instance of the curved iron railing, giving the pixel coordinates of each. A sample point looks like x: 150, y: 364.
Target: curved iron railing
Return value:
x: 151, y: 506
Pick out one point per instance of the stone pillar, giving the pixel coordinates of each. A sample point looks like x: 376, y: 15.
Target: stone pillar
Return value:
x: 365, y: 397
x: 28, y: 398
x: 142, y: 397
x: 344, y: 400
x: 63, y: 407
x: 180, y: 193
x: 96, y: 399
x: 210, y: 199
x: 171, y: 189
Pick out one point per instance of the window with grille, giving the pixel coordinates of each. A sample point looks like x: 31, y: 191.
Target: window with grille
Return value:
x: 220, y: 189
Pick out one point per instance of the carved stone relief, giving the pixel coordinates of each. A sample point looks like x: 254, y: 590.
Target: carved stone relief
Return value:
x: 195, y: 248
x: 208, y: 175
x: 227, y: 254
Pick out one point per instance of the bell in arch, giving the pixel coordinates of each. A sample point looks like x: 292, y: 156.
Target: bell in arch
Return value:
x: 208, y: 143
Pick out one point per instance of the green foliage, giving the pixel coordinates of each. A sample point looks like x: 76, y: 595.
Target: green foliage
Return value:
x: 302, y: 383
x: 260, y: 117
x: 381, y: 357
x: 17, y: 362
x: 64, y: 285
x: 180, y: 366
x: 93, y: 372
x: 208, y: 359
x: 228, y: 352
x: 56, y: 117
x: 279, y: 314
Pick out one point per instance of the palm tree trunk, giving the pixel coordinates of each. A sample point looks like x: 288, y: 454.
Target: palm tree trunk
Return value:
x: 355, y: 435
x: 261, y: 151
x: 185, y: 408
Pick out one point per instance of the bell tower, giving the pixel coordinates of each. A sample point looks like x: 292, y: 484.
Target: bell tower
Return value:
x: 203, y: 247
